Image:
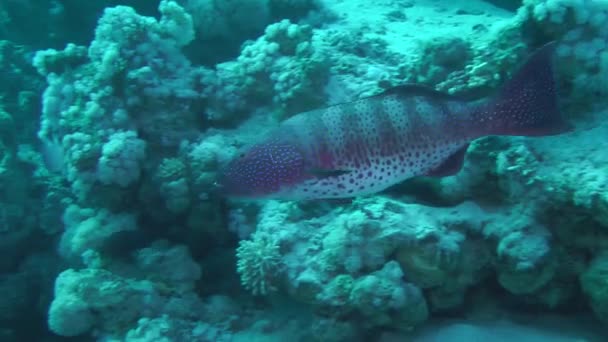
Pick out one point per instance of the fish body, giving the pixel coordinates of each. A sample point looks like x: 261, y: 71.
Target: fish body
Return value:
x: 364, y: 146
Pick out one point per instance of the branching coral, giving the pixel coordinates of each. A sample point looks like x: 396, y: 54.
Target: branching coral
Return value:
x: 259, y: 263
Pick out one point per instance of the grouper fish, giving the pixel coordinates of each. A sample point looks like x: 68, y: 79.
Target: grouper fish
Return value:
x: 365, y: 146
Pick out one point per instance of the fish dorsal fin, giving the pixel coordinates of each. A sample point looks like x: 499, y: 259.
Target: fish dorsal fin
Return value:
x: 450, y: 166
x: 412, y: 89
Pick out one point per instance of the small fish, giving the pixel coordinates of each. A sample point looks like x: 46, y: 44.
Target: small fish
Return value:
x: 365, y: 146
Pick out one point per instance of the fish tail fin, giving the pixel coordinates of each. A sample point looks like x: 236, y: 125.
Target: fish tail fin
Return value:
x: 527, y: 103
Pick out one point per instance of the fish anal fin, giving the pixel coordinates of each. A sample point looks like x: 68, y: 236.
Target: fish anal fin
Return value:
x: 451, y: 165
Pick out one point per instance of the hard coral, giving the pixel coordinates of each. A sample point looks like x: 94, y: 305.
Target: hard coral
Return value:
x: 121, y: 158
x: 258, y: 263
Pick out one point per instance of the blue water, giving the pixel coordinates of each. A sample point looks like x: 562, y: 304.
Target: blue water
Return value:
x: 115, y: 117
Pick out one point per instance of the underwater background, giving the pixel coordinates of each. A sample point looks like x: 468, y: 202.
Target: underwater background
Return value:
x: 115, y: 117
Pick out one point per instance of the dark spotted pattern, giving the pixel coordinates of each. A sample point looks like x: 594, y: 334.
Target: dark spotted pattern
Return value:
x: 379, y: 143
x: 365, y: 146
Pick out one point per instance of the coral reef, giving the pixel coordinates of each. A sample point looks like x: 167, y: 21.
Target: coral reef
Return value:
x: 114, y: 199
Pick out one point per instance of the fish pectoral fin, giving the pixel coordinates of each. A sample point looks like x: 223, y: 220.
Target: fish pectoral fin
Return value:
x: 327, y: 173
x: 451, y: 165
